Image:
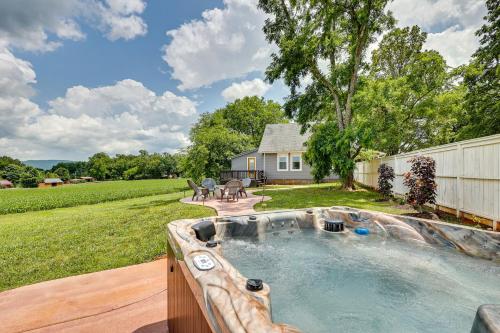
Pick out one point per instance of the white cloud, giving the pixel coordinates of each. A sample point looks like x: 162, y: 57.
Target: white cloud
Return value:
x: 120, y: 118
x: 450, y: 24
x: 118, y: 20
x: 226, y: 43
x: 455, y: 45
x: 16, y: 77
x: 255, y: 87
x: 42, y: 25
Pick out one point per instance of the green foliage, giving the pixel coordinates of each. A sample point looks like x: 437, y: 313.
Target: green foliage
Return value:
x: 62, y: 173
x: 131, y: 174
x: 6, y: 160
x: 250, y: 115
x: 24, y: 200
x: 76, y: 169
x: 398, y: 51
x: 482, y: 116
x: 212, y: 150
x: 338, y: 33
x: 12, y: 172
x: 409, y: 100
x: 220, y: 135
x: 330, y: 150
x: 30, y: 177
x: 99, y: 166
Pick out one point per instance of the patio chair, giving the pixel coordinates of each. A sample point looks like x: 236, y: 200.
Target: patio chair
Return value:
x: 246, y: 182
x: 197, y: 191
x: 209, y: 183
x: 232, y: 189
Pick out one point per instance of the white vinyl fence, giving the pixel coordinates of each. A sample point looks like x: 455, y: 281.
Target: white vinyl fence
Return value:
x: 467, y: 175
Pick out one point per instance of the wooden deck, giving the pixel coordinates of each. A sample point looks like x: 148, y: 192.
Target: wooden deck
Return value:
x: 128, y: 299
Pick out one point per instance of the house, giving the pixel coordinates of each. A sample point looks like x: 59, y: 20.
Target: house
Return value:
x: 4, y: 183
x: 51, y: 182
x: 279, y: 158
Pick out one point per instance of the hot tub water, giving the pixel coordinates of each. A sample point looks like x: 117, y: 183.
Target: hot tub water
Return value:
x: 325, y: 283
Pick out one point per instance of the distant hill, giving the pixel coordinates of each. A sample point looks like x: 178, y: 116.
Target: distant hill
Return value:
x: 43, y: 164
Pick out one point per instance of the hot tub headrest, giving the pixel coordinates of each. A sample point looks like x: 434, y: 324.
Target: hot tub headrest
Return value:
x: 204, y: 230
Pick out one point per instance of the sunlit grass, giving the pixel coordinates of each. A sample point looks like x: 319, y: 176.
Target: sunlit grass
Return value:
x: 326, y: 195
x: 45, y: 245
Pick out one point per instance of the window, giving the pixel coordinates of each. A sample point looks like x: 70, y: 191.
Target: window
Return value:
x: 282, y: 162
x: 296, y: 164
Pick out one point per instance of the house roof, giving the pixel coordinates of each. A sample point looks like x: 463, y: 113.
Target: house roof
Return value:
x: 283, y: 138
x: 52, y: 180
x: 245, y: 153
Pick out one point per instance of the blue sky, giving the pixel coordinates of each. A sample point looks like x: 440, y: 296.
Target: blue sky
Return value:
x: 99, y: 62
x: 82, y: 76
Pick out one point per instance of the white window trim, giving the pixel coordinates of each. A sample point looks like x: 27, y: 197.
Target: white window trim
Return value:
x: 292, y: 155
x: 278, y: 162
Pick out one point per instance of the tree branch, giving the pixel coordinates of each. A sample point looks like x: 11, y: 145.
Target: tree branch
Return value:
x: 361, y: 41
x: 316, y: 73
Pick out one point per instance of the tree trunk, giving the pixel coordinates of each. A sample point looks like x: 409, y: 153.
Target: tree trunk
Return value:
x: 348, y: 182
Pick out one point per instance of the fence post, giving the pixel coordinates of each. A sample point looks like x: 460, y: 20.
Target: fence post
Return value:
x: 460, y: 174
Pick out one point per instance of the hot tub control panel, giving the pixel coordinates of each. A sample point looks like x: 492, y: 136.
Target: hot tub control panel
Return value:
x: 203, y: 262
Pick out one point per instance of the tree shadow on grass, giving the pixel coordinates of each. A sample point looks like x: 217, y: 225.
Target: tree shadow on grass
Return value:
x: 154, y: 203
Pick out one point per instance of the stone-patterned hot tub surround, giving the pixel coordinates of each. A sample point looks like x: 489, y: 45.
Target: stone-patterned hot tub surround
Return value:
x: 232, y: 308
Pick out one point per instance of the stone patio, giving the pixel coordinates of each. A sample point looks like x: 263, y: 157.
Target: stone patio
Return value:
x: 223, y: 207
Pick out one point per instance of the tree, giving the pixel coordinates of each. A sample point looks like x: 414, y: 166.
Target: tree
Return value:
x: 332, y: 32
x: 6, y: 160
x: 228, y: 131
x: 12, y: 172
x: 329, y: 148
x: 99, y: 166
x: 76, y: 169
x: 482, y: 115
x: 212, y: 150
x: 62, y: 173
x: 398, y: 51
x: 248, y: 116
x: 409, y: 100
x: 30, y: 177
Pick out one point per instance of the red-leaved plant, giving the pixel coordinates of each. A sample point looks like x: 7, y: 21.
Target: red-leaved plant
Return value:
x: 385, y: 177
x: 421, y: 182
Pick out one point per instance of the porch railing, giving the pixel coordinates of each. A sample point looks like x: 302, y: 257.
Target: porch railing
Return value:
x: 227, y: 175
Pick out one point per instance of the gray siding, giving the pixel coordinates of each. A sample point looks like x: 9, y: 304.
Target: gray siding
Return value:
x: 271, y: 171
x: 240, y: 162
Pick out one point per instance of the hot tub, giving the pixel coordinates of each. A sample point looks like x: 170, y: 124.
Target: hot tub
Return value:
x: 371, y: 272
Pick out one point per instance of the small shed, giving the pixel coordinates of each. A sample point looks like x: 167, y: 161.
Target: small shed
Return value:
x: 51, y: 182
x: 88, y: 179
x: 4, y: 183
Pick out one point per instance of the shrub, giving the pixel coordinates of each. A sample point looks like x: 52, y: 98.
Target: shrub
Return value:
x: 28, y: 180
x: 421, y: 182
x: 385, y: 177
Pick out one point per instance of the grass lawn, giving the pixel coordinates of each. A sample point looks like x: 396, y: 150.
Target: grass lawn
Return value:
x: 326, y: 195
x: 50, y: 244
x: 25, y: 200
